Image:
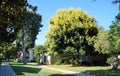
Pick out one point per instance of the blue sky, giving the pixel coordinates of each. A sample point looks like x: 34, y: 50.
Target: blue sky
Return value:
x: 102, y: 10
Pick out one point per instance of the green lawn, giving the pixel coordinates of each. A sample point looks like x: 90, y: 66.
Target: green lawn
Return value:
x: 94, y: 70
x: 30, y: 70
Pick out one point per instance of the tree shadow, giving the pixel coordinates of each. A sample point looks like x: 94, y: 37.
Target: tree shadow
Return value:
x: 101, y: 72
x: 62, y: 75
x: 36, y: 64
x: 20, y: 70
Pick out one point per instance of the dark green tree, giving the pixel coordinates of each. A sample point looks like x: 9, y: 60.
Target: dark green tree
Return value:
x: 114, y: 38
x: 30, y: 29
x: 9, y: 51
x: 11, y: 14
x: 27, y: 35
x: 114, y: 34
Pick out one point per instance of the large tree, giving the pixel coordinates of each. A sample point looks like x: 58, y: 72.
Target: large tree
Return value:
x: 71, y: 31
x: 28, y: 33
x: 12, y: 13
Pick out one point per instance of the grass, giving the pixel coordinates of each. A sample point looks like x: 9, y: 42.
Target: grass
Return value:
x: 93, y: 70
x: 30, y: 70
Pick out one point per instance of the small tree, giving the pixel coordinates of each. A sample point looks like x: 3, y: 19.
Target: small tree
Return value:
x: 101, y: 43
x: 39, y: 49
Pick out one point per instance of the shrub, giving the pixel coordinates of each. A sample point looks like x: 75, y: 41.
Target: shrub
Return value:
x: 110, y: 60
x: 77, y: 62
x: 59, y: 61
x: 38, y: 60
x: 17, y: 60
x: 67, y: 60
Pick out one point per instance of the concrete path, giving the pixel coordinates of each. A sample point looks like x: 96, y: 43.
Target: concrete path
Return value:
x: 6, y: 70
x: 65, y: 71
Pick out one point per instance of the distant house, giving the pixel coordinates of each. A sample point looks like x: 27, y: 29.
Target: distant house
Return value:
x: 47, y: 59
x: 29, y: 55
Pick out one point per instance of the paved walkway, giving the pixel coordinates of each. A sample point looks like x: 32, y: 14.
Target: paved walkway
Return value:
x: 65, y: 71
x: 6, y: 70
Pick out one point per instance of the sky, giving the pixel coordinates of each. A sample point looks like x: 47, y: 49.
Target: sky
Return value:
x: 102, y: 10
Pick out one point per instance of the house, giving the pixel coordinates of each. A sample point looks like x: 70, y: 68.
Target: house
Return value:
x: 29, y: 55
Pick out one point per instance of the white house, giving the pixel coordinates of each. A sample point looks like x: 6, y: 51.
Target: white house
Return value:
x: 31, y: 54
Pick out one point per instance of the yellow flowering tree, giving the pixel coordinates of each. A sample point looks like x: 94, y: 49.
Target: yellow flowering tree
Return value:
x: 71, y: 33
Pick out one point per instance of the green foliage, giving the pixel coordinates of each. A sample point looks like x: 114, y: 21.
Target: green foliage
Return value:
x: 82, y: 52
x: 101, y: 43
x: 30, y: 30
x: 58, y: 62
x: 18, y: 16
x: 9, y: 51
x: 28, y: 33
x: 39, y: 49
x: 12, y: 13
x: 38, y: 59
x: 17, y: 60
x: 73, y: 28
x: 110, y: 60
x: 69, y: 50
x: 114, y: 36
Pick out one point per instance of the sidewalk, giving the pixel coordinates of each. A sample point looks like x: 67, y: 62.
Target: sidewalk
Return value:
x: 6, y: 70
x: 65, y: 71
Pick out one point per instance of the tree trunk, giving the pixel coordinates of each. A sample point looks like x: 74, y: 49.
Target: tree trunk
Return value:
x: 23, y: 49
x: 73, y: 60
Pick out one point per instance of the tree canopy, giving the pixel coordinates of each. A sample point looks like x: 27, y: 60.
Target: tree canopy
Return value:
x: 12, y: 13
x: 19, y: 21
x: 28, y: 33
x: 101, y: 43
x: 114, y: 35
x: 30, y: 30
x: 71, y: 28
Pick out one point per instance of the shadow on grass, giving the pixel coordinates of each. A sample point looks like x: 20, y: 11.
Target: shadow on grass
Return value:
x: 101, y: 72
x: 62, y: 75
x: 20, y: 69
